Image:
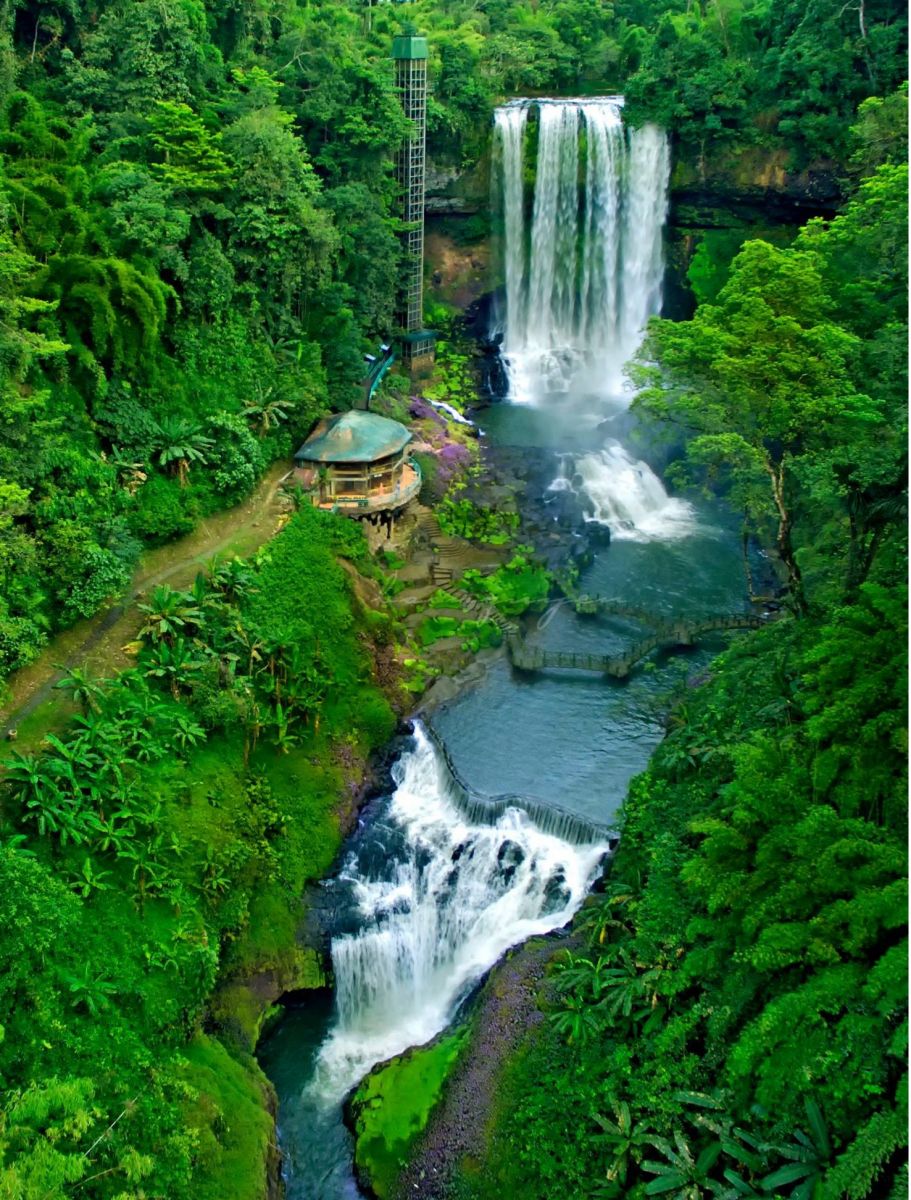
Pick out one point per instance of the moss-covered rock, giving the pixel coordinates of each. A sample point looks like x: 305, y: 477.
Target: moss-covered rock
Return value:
x: 392, y: 1105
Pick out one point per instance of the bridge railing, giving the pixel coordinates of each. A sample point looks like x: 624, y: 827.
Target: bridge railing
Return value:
x: 670, y: 633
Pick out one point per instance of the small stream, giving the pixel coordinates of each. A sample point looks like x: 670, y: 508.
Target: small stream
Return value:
x: 500, y: 837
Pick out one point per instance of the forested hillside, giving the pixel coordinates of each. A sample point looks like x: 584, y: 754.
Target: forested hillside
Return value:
x: 198, y: 236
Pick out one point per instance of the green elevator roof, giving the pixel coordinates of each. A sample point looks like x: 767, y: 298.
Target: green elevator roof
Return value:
x: 409, y: 47
x: 353, y: 437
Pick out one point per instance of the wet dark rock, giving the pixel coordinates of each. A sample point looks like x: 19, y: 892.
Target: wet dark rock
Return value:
x: 510, y: 854
x: 556, y: 893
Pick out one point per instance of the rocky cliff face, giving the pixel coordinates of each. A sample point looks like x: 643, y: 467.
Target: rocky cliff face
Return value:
x: 749, y: 188
x: 749, y: 184
x: 456, y: 189
x: 749, y: 181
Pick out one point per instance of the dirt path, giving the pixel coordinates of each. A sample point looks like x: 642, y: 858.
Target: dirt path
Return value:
x: 97, y: 643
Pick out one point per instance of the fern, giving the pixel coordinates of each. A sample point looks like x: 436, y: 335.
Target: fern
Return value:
x: 858, y: 1168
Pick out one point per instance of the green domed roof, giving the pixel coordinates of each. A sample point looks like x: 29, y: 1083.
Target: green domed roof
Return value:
x: 353, y: 437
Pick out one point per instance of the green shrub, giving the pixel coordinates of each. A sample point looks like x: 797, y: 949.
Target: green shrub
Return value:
x: 434, y: 629
x: 480, y: 635
x: 163, y: 511
x: 374, y: 716
x: 514, y: 588
x: 104, y: 575
x: 462, y: 518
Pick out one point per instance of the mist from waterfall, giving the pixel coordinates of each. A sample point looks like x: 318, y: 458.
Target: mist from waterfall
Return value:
x: 437, y: 911
x: 583, y: 270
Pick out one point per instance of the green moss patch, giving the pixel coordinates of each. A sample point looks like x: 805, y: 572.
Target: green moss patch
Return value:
x: 393, y: 1104
x: 232, y: 1127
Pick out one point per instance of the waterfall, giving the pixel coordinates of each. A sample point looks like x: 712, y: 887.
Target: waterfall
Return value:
x: 583, y: 274
x: 627, y: 496
x: 437, y: 912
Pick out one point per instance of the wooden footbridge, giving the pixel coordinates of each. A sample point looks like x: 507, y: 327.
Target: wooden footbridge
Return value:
x: 665, y: 634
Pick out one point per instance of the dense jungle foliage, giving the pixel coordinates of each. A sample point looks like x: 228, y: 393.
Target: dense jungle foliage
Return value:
x: 166, y: 836
x: 197, y: 230
x: 732, y: 1021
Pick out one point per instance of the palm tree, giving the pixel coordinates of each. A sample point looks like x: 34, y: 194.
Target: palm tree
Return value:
x: 267, y: 412
x: 180, y: 443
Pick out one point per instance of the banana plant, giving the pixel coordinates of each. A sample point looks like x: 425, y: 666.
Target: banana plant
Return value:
x: 684, y: 1172
x: 283, y: 738
x: 167, y: 614
x: 88, y: 880
x: 625, y: 1141
x: 215, y: 878
x: 578, y: 974
x: 172, y: 663
x: 187, y: 732
x: 234, y: 579
x: 86, y: 691
x: 148, y: 872
x: 576, y: 1020
x: 92, y: 994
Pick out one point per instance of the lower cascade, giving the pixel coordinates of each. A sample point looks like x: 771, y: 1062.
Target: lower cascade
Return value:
x: 626, y: 495
x: 439, y: 898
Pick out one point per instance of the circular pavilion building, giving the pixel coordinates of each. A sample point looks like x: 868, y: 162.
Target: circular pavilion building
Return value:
x: 358, y: 463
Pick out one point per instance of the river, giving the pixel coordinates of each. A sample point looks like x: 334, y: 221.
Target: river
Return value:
x: 437, y: 882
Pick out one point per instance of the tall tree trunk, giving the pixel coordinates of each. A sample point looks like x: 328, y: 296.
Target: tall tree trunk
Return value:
x: 747, y: 569
x: 783, y: 539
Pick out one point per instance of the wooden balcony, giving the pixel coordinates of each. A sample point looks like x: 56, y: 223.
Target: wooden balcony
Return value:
x: 379, y: 499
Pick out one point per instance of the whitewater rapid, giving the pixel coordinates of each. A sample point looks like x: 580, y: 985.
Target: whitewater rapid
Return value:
x: 625, y: 494
x: 437, y: 913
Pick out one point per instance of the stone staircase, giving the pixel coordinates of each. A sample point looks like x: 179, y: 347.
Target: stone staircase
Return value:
x: 452, y: 556
x: 479, y: 610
